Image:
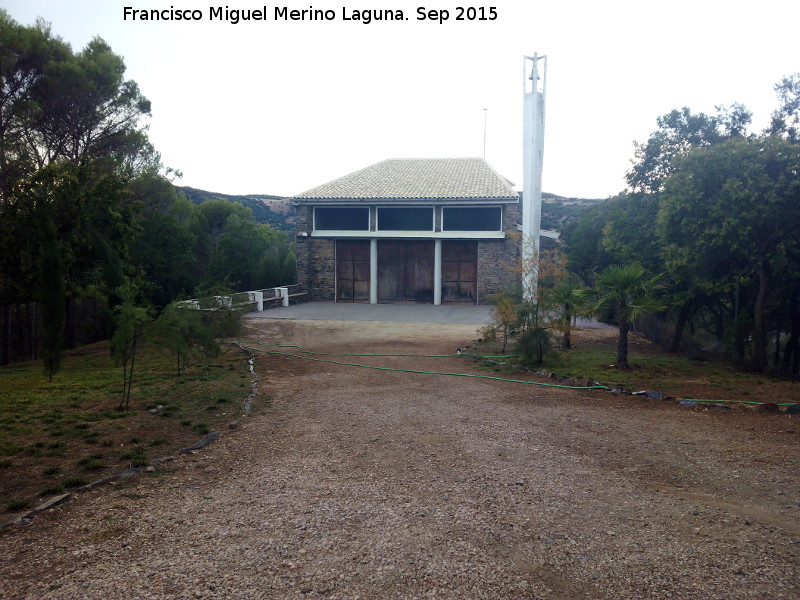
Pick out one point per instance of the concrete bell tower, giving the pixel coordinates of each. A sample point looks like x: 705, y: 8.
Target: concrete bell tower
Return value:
x: 534, y: 88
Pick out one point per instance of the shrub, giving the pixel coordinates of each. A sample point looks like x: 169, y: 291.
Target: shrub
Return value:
x: 532, y: 345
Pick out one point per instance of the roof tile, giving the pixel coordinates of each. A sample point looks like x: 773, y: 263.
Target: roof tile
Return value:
x: 423, y: 178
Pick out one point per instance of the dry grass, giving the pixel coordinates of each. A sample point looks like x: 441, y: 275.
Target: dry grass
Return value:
x: 60, y: 435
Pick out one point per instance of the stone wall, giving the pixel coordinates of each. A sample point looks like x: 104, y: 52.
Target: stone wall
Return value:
x: 316, y: 267
x: 316, y: 259
x: 498, y: 260
x: 497, y: 267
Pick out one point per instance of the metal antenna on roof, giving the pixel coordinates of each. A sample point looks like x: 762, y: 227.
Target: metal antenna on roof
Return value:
x: 485, y: 110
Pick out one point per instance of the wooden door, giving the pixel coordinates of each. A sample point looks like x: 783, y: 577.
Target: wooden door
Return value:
x: 405, y: 271
x: 352, y: 271
x: 459, y: 272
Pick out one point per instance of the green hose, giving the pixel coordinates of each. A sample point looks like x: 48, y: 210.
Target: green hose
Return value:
x: 300, y: 349
x: 349, y: 364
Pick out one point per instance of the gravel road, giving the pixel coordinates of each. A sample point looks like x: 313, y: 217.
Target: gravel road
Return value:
x: 355, y: 483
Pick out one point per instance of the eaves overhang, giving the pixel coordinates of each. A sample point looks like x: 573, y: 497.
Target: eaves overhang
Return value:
x: 407, y: 201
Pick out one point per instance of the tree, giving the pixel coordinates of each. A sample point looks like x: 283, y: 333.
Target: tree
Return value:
x: 630, y: 291
x: 629, y: 233
x: 506, y: 316
x: 586, y: 252
x: 786, y: 118
x: 51, y: 298
x: 186, y: 331
x: 130, y: 322
x: 25, y: 55
x: 565, y: 298
x: 71, y: 140
x: 58, y: 106
x: 678, y: 132
x: 233, y: 246
x: 164, y: 247
x: 729, y: 219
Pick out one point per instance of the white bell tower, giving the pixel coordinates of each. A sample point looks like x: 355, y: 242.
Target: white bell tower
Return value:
x: 534, y: 88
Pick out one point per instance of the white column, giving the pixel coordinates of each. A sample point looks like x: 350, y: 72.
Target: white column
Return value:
x: 437, y: 272
x: 373, y: 271
x: 533, y: 152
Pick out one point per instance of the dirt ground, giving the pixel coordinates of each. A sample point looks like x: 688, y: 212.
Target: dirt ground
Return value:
x: 355, y: 483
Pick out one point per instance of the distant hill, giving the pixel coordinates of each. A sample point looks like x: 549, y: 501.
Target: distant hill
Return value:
x: 278, y: 212
x: 558, y: 211
x: 275, y: 211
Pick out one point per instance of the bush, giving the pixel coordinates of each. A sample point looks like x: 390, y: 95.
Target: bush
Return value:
x: 533, y: 345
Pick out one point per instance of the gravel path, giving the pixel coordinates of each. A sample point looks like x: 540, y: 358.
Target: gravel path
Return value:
x: 355, y: 483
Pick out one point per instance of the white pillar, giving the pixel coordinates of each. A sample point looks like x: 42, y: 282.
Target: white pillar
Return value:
x: 437, y: 272
x: 533, y: 156
x: 373, y: 271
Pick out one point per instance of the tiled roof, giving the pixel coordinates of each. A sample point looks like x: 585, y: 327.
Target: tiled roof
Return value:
x: 418, y: 178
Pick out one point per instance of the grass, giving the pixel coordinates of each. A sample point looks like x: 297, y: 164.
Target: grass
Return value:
x: 652, y: 369
x: 59, y: 435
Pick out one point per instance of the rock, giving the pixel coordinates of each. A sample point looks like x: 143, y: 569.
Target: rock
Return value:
x: 233, y: 425
x: 23, y: 520
x: 718, y: 406
x: 655, y: 395
x: 685, y: 402
x: 211, y: 437
x: 55, y: 500
x: 769, y: 408
x: 794, y: 409
x: 617, y: 390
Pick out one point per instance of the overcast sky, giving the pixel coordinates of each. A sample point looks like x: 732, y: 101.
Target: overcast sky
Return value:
x: 278, y: 107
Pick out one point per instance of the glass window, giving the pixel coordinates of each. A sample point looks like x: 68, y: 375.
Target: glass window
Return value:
x: 472, y: 218
x: 344, y: 218
x: 411, y: 218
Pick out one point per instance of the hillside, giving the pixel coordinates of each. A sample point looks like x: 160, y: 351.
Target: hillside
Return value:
x: 558, y: 211
x: 275, y: 211
x: 278, y: 212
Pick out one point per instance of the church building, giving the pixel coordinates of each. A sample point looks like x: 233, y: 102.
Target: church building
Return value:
x: 435, y: 231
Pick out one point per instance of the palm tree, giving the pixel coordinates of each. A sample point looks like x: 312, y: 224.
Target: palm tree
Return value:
x: 629, y: 290
x: 565, y: 299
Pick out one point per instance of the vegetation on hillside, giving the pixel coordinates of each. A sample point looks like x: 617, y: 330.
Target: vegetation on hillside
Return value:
x: 259, y: 204
x: 559, y: 212
x: 716, y: 210
x: 87, y: 209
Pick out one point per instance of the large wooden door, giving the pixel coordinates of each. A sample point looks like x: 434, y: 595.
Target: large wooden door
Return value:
x: 405, y: 271
x: 352, y: 271
x: 459, y: 272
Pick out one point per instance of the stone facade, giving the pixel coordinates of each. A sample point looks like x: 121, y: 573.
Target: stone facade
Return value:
x: 498, y: 260
x: 316, y: 258
x: 401, y: 261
